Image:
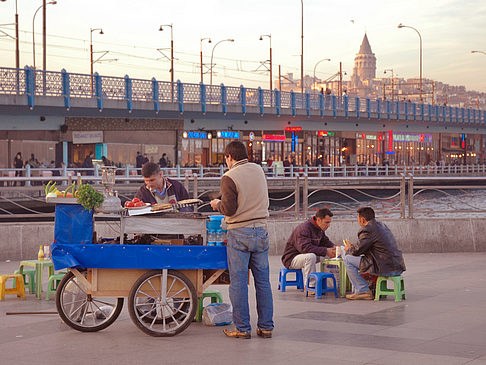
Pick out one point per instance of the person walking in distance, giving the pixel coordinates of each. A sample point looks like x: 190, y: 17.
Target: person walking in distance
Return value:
x: 244, y: 202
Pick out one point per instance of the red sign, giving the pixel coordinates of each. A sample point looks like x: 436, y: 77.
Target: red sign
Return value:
x: 322, y: 133
x: 273, y: 137
x: 390, y: 141
x: 293, y: 129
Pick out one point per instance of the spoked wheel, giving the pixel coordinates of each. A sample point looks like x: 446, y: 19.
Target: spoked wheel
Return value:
x: 80, y: 310
x: 162, y: 308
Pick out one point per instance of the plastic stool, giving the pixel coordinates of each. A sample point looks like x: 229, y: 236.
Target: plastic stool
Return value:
x: 19, y: 287
x: 283, y: 282
x: 398, y: 287
x: 31, y: 283
x: 320, y: 286
x: 216, y: 297
x: 53, y: 282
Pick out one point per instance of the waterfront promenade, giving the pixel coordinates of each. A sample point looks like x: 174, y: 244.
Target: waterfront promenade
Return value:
x: 443, y: 321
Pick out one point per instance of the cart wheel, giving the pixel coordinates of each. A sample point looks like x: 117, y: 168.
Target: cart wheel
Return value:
x: 161, y: 318
x: 80, y: 310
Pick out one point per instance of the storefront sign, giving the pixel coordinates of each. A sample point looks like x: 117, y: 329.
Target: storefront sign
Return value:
x: 251, y: 136
x: 366, y: 136
x: 410, y: 137
x: 293, y: 129
x: 195, y: 135
x: 325, y: 133
x: 87, y: 137
x: 151, y: 148
x: 228, y: 134
x: 273, y: 137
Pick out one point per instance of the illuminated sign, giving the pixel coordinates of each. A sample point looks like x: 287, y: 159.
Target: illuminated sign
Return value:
x: 228, y: 134
x: 195, y: 135
x: 366, y: 136
x: 407, y: 137
x: 293, y: 129
x: 273, y: 137
x: 251, y: 136
x: 325, y: 133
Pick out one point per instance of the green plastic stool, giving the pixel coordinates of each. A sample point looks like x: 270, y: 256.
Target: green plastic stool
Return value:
x: 53, y: 282
x: 31, y: 283
x: 216, y: 297
x: 398, y: 287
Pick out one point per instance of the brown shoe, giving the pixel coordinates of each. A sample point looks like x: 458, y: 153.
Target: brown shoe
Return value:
x: 264, y: 333
x: 367, y: 295
x: 237, y: 334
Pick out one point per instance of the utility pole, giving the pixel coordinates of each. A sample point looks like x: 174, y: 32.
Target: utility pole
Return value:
x: 44, y: 35
x: 340, y: 87
x: 279, y: 79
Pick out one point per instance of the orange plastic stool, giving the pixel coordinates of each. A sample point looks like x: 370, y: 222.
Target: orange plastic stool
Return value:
x: 19, y: 287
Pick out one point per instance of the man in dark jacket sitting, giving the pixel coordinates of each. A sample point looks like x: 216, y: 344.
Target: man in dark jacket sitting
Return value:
x: 159, y: 189
x: 307, y: 242
x: 376, y: 253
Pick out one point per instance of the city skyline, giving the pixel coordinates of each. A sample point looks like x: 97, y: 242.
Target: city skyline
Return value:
x: 334, y: 30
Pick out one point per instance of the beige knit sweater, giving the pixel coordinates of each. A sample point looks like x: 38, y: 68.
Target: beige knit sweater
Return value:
x: 244, y: 199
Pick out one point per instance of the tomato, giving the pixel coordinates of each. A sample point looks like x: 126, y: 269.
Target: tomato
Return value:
x: 139, y: 204
x: 128, y: 204
x: 135, y: 200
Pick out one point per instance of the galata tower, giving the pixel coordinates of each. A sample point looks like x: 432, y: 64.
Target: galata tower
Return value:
x: 365, y: 61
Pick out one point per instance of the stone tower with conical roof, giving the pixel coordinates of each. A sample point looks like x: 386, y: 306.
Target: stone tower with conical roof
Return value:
x: 364, y: 68
x: 365, y: 61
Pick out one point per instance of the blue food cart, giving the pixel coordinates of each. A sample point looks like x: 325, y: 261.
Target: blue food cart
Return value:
x: 162, y: 282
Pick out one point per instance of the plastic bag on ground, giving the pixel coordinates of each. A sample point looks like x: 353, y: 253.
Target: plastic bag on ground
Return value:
x: 218, y: 314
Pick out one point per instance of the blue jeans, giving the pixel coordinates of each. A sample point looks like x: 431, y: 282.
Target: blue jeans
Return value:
x: 360, y: 285
x: 248, y: 249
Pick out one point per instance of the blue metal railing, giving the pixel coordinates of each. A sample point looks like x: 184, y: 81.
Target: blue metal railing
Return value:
x: 32, y: 83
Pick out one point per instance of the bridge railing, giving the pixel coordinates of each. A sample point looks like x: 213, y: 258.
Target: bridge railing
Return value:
x: 403, y: 196
x: 33, y: 83
x: 36, y: 176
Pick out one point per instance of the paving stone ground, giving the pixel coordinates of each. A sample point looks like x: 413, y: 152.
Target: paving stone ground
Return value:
x: 443, y: 321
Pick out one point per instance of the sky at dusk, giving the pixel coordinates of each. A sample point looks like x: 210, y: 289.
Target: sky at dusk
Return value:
x: 333, y: 29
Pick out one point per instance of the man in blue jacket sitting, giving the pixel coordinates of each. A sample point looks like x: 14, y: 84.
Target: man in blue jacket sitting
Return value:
x: 308, y: 242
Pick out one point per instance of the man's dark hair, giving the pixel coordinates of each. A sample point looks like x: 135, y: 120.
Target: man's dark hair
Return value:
x: 150, y: 169
x: 237, y: 150
x: 367, y: 213
x: 323, y: 212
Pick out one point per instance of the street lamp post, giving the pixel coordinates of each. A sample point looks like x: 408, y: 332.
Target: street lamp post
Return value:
x: 484, y: 53
x: 302, y: 51
x: 33, y: 30
x: 202, y: 71
x: 392, y: 82
x: 314, y: 78
x: 270, y: 60
x: 420, y: 38
x: 212, y: 54
x: 91, y: 30
x: 161, y: 28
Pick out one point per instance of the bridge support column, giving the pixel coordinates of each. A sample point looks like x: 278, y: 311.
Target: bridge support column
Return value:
x: 65, y: 153
x: 155, y: 94
x: 292, y: 103
x: 128, y: 93
x: 66, y: 89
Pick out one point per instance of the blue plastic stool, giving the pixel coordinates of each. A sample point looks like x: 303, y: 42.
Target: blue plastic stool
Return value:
x: 320, y: 287
x: 283, y: 282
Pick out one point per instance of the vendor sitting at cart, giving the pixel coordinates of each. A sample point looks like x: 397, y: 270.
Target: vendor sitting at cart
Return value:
x: 160, y: 189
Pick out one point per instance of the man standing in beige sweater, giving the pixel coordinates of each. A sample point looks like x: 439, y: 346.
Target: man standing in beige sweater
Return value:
x: 244, y: 202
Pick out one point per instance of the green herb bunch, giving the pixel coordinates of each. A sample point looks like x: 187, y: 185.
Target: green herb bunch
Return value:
x: 88, y: 197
